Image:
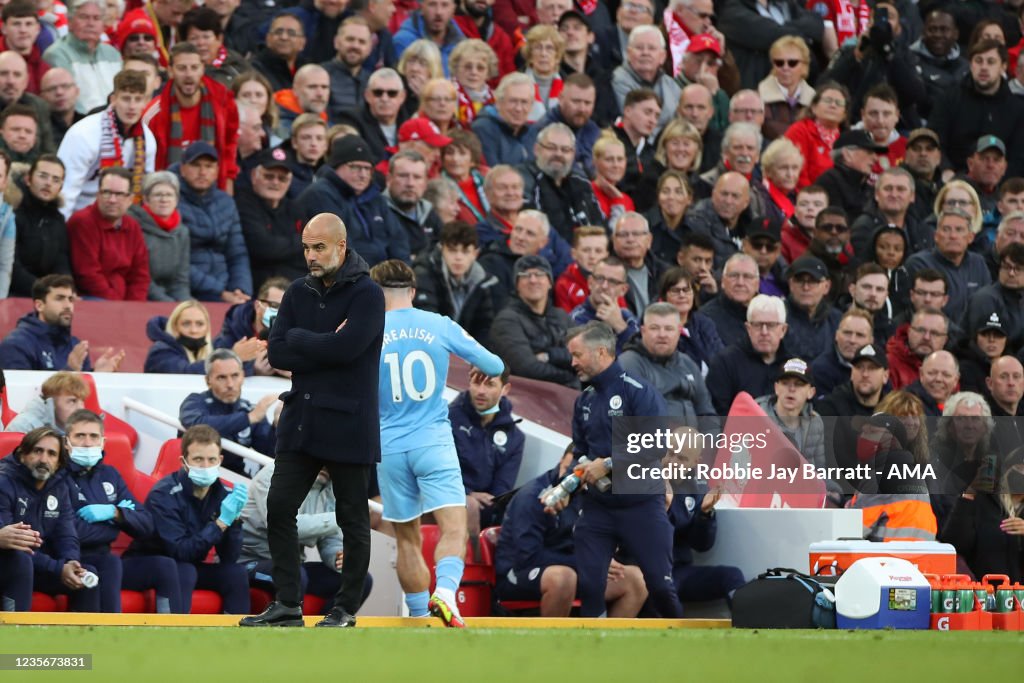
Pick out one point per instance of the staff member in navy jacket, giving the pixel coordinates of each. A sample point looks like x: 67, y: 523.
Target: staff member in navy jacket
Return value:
x: 536, y: 559
x: 328, y: 333
x: 223, y: 408
x: 105, y: 507
x: 636, y: 522
x: 489, y: 444
x: 193, y: 511
x: 34, y: 491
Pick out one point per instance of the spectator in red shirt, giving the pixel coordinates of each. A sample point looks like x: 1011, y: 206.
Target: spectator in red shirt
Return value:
x: 190, y: 108
x: 815, y: 134
x: 108, y: 253
x: 20, y: 30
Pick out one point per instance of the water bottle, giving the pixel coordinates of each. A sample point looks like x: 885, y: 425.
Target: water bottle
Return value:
x: 90, y: 580
x: 553, y: 495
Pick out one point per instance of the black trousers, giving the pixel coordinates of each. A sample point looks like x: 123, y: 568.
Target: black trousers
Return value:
x: 294, y: 474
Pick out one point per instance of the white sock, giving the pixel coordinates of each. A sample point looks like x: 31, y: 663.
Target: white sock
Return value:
x: 448, y: 595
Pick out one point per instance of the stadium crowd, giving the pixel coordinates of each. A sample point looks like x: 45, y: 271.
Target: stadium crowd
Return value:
x: 821, y: 206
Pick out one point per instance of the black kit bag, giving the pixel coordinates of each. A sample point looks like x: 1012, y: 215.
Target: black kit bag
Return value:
x: 785, y: 598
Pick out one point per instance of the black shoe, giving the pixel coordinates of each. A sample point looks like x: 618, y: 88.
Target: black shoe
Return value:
x: 276, y: 615
x: 338, y: 618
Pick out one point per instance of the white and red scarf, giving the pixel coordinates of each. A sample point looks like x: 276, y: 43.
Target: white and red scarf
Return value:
x: 678, y: 39
x: 468, y: 108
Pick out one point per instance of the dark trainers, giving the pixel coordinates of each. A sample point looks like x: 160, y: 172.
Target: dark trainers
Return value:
x: 338, y: 618
x: 276, y: 615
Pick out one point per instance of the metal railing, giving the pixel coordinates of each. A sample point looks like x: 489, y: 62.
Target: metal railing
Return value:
x: 130, y: 404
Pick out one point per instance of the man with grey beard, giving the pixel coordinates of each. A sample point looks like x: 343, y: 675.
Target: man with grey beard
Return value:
x: 551, y: 186
x: 34, y: 497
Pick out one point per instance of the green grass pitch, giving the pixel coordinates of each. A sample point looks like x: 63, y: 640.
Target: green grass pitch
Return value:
x: 220, y: 655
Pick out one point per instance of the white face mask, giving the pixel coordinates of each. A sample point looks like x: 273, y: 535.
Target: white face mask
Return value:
x: 86, y: 456
x: 203, y: 476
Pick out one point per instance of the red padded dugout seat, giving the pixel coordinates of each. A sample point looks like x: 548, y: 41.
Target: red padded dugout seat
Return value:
x: 111, y: 423
x: 488, y: 548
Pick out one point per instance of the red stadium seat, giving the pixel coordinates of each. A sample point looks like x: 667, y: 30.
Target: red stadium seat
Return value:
x: 143, y: 483
x: 312, y: 605
x: 9, y: 441
x: 169, y: 459
x: 41, y: 602
x: 259, y: 599
x: 474, y: 593
x: 6, y: 414
x: 111, y: 423
x: 206, y: 602
x: 117, y: 452
x: 135, y: 602
x: 488, y: 546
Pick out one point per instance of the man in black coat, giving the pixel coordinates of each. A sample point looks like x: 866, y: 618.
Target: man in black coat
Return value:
x: 383, y: 113
x: 847, y: 183
x: 328, y: 333
x: 981, y: 105
x: 270, y: 221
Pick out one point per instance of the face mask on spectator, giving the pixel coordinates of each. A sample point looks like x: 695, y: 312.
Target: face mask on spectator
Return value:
x: 193, y: 344
x: 268, y: 316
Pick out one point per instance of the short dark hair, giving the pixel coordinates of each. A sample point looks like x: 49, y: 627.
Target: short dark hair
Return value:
x: 870, y: 268
x: 145, y: 59
x: 393, y: 274
x: 42, y: 287
x: 883, y: 91
x: 38, y: 434
x: 830, y: 211
x: 130, y: 81
x: 930, y: 275
x: 200, y: 434
x: 468, y: 140
x: 46, y: 158
x: 1014, y: 251
x: 697, y: 239
x: 987, y: 45
x: 185, y: 48
x: 579, y: 80
x: 82, y: 415
x: 20, y: 110
x: 1013, y: 185
x: 813, y: 189
x: 673, y: 276
x: 201, y: 18
x: 277, y: 281
x: 459, y: 234
x: 18, y: 9
x: 117, y: 172
x: 640, y: 95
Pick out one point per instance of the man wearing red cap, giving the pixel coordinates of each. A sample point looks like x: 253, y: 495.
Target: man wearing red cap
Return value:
x: 137, y: 36
x: 164, y: 15
x: 423, y: 136
x: 701, y: 62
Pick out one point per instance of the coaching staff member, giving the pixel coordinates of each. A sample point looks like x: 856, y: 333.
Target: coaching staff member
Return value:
x: 328, y: 332
x: 637, y: 523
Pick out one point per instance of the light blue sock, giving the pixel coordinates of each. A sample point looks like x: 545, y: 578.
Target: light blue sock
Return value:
x: 449, y: 573
x: 417, y: 603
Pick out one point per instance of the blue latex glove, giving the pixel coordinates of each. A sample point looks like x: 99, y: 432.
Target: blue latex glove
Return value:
x: 231, y: 507
x: 126, y: 504
x: 97, y: 513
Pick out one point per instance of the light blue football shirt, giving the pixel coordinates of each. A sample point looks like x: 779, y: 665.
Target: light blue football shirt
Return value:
x: 413, y: 372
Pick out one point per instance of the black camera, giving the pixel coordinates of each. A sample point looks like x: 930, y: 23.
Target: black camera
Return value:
x: 880, y: 35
